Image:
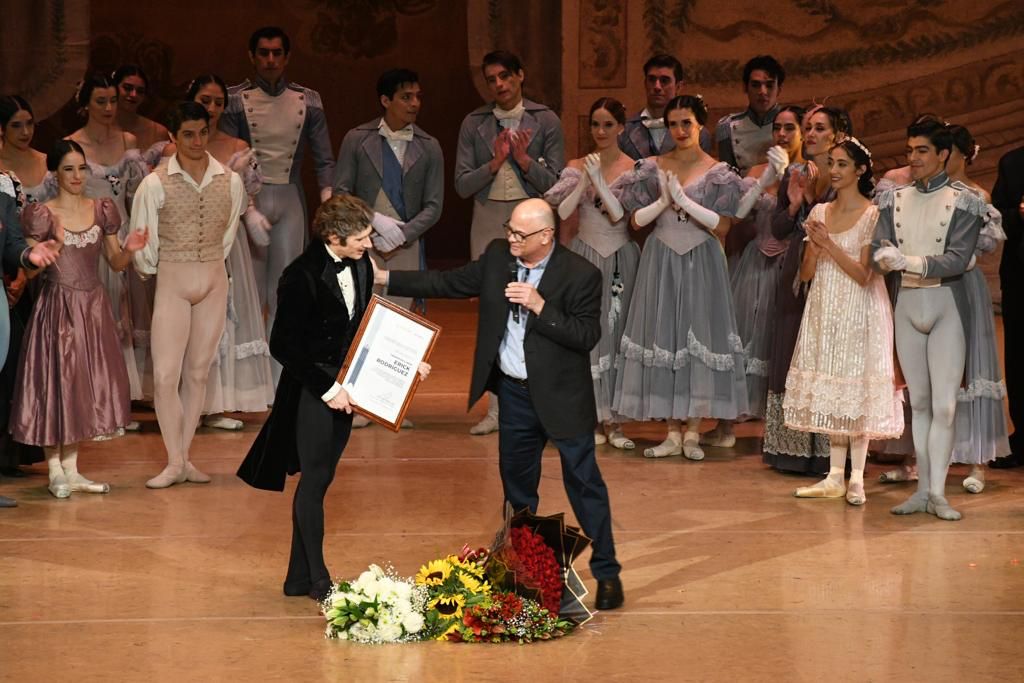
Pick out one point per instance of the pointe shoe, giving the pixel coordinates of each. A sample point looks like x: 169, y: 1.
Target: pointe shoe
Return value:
x: 898, y: 475
x: 664, y: 449
x: 975, y: 481
x: 600, y: 439
x: 360, y: 421
x: 619, y: 440
x: 171, y: 475
x: 133, y: 426
x: 826, y: 488
x: 916, y: 503
x: 193, y: 475
x: 717, y: 438
x: 59, y: 486
x: 691, y: 448
x: 223, y: 422
x: 485, y: 426
x: 79, y: 483
x: 939, y: 506
x: 855, y: 494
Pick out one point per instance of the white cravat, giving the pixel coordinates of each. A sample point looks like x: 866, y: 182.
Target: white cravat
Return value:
x: 651, y: 122
x: 510, y: 118
x: 398, y: 140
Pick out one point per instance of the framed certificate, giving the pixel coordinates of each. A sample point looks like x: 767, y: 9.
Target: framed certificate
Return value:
x: 380, y: 370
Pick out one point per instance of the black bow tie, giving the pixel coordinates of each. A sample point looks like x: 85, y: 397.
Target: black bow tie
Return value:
x: 340, y: 266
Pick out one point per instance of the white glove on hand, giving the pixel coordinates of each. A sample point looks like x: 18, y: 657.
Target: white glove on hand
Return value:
x: 592, y: 164
x: 890, y: 258
x: 646, y: 215
x: 778, y: 160
x: 257, y: 225
x: 706, y: 217
x: 388, y: 234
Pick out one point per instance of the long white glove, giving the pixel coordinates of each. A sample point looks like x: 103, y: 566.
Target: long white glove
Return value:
x: 706, y: 217
x: 572, y: 200
x: 751, y: 196
x: 592, y: 164
x: 647, y: 214
x: 778, y: 160
x: 257, y: 226
x: 388, y: 234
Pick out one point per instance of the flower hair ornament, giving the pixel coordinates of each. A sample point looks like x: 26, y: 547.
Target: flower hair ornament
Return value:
x: 974, y: 154
x: 860, y: 146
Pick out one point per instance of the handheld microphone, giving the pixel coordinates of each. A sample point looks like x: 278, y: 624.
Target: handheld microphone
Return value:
x: 513, y: 276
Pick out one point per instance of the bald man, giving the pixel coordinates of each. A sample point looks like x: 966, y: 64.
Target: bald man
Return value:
x: 540, y: 309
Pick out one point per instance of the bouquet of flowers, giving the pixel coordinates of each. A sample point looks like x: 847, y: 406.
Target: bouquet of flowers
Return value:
x: 378, y: 607
x: 453, y: 583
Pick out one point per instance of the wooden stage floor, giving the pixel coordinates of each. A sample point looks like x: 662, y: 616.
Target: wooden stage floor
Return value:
x: 727, y: 576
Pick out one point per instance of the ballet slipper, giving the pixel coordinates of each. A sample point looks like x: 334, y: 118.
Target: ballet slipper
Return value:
x: 600, y: 439
x: 360, y: 421
x: 133, y: 426
x: 691, y: 447
x: 194, y: 475
x: 855, y: 493
x: 718, y: 438
x: 79, y: 483
x: 901, y: 474
x: 59, y: 486
x: 171, y: 475
x: 619, y: 440
x: 939, y: 506
x: 671, y: 446
x: 223, y: 422
x: 488, y: 424
x: 826, y: 488
x: 916, y: 503
x: 975, y: 481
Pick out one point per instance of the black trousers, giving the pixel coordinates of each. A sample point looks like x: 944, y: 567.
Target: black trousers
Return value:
x: 321, y: 435
x: 1012, y: 286
x: 521, y: 440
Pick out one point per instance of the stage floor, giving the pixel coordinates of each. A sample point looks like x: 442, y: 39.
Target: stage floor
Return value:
x: 727, y: 576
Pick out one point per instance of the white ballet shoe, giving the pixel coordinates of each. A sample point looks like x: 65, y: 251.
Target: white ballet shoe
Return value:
x: 826, y: 488
x: 59, y: 486
x: 691, y: 447
x: 223, y: 422
x: 171, y: 475
x: 360, y: 421
x: 717, y: 438
x: 975, y: 481
x: 900, y: 474
x: 939, y: 506
x: 485, y: 426
x: 600, y: 439
x: 669, y: 446
x: 194, y: 475
x: 916, y: 503
x: 79, y: 483
x: 619, y: 440
x: 133, y: 426
x: 855, y: 493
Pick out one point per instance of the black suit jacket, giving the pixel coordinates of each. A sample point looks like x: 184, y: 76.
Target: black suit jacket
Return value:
x: 557, y: 343
x: 1006, y: 196
x: 311, y: 336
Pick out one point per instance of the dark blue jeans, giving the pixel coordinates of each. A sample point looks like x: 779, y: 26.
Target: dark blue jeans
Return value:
x: 521, y: 441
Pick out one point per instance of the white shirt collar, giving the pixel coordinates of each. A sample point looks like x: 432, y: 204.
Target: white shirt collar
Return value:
x: 213, y: 168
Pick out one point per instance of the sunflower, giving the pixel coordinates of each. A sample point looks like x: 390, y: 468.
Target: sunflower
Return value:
x: 474, y: 585
x: 452, y: 628
x: 434, y: 573
x: 448, y: 606
x: 471, y: 567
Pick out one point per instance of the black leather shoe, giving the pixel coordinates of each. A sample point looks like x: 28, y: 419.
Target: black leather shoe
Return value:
x: 609, y: 594
x: 297, y: 589
x: 320, y: 590
x: 1005, y: 463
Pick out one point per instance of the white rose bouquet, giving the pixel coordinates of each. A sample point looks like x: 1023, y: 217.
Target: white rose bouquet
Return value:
x: 378, y: 607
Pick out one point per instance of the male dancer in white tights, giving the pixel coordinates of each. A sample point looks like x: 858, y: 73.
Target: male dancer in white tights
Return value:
x: 191, y: 206
x: 925, y: 236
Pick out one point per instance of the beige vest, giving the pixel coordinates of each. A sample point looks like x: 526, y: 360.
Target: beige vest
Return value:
x: 275, y: 125
x: 193, y: 223
x: 921, y: 221
x: 750, y: 142
x: 506, y: 186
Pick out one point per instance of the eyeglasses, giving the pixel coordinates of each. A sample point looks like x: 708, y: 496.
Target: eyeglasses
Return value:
x: 516, y: 236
